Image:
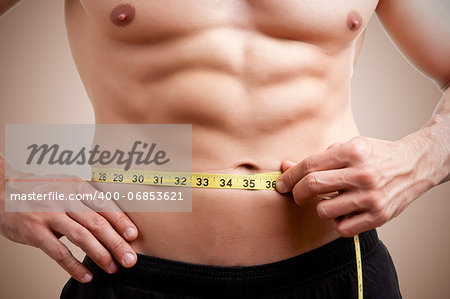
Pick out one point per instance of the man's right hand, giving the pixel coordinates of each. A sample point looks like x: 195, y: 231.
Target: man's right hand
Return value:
x: 102, y: 236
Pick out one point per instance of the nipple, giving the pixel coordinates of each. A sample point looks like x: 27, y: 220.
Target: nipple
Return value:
x: 354, y: 20
x: 122, y: 14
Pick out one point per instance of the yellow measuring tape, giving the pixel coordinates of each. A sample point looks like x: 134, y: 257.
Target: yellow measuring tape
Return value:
x: 259, y: 181
x: 358, y: 266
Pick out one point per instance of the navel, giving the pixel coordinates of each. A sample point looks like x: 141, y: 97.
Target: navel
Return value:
x: 354, y: 20
x: 122, y: 14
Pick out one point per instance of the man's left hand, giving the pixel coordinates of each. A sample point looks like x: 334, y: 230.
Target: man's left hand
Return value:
x: 375, y: 181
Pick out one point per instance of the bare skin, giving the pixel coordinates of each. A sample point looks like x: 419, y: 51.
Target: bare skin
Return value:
x: 266, y: 86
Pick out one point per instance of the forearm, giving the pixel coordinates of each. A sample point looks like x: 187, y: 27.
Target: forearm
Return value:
x: 4, y: 167
x: 7, y: 5
x: 2, y: 183
x: 431, y: 144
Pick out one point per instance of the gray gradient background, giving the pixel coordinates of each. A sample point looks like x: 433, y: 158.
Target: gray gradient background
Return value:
x: 39, y: 84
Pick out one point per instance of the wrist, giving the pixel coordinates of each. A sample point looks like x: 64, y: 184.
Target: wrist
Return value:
x: 5, y: 167
x: 430, y: 149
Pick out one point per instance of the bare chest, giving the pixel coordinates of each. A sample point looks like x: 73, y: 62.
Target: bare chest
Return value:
x: 304, y: 20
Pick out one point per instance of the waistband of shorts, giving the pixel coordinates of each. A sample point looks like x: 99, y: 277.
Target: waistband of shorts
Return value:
x: 166, y: 274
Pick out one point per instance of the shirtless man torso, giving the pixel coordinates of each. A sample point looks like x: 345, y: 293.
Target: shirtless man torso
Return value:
x: 261, y: 82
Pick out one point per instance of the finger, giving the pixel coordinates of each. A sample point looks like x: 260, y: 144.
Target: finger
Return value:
x: 110, y: 211
x: 341, y: 205
x: 287, y: 164
x: 354, y: 224
x: 59, y: 252
x: 122, y: 224
x: 81, y: 237
x: 106, y: 234
x: 327, y: 160
x: 324, y: 182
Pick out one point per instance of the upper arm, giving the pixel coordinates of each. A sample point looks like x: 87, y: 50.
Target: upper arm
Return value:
x: 6, y: 5
x: 421, y: 29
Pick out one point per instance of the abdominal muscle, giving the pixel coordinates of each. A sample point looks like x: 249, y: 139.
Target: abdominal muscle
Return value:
x: 258, y: 101
x: 244, y: 133
x: 244, y: 227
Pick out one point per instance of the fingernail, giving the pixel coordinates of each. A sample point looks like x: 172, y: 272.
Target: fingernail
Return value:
x: 322, y: 211
x: 128, y: 259
x: 113, y: 267
x: 281, y: 186
x: 87, y: 277
x: 130, y: 233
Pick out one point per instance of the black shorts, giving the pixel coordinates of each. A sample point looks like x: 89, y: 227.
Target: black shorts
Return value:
x: 326, y: 272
